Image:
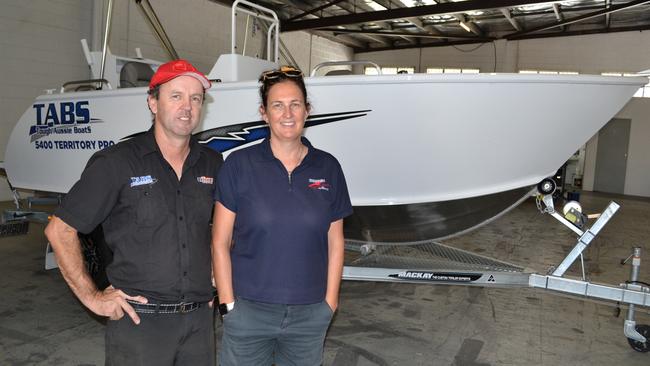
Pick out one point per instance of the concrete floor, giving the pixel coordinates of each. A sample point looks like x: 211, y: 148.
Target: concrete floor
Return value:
x: 383, y: 323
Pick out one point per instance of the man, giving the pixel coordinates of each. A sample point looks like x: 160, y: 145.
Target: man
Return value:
x: 152, y: 195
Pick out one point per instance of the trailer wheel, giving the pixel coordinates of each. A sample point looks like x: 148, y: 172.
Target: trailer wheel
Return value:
x: 644, y: 330
x: 546, y: 186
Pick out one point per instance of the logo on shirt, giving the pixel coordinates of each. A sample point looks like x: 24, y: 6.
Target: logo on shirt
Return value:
x: 205, y: 180
x: 319, y: 184
x: 140, y: 181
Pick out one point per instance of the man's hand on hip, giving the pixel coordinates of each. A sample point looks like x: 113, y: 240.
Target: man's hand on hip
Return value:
x: 112, y: 303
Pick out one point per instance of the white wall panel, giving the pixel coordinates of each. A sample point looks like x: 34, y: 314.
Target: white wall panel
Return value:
x: 310, y: 50
x: 637, y: 177
x: 39, y: 43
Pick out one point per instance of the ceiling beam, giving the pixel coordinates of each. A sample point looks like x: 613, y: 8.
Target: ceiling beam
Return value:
x: 558, y: 13
x: 513, y: 21
x: 348, y: 39
x: 417, y: 22
x: 464, y: 22
x: 318, y: 8
x: 529, y: 36
x: 403, y: 13
x: 403, y: 34
x: 515, y: 16
x: 365, y: 7
x: 421, y: 45
x: 580, y: 18
x: 583, y: 32
x: 342, y: 38
x: 558, y: 16
x: 471, y: 26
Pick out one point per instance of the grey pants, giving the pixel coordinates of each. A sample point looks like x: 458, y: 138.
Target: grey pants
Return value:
x: 162, y: 339
x: 261, y: 334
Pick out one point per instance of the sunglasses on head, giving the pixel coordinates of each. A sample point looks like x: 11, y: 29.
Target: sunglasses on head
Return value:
x: 288, y: 71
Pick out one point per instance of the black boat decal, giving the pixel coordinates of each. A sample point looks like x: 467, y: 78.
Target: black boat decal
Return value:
x: 229, y: 137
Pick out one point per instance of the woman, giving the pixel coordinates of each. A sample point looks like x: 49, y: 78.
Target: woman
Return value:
x: 277, y: 240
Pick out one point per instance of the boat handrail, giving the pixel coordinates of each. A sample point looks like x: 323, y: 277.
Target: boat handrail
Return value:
x: 340, y: 63
x: 151, y: 17
x: 274, y: 28
x: 88, y: 82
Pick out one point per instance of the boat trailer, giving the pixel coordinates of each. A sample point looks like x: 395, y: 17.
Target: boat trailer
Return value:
x: 434, y: 263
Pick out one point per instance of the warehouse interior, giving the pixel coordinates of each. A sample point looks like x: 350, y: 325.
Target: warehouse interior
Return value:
x: 379, y: 321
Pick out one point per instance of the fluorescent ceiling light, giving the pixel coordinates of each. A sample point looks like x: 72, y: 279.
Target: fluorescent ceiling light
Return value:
x: 412, y: 3
x: 374, y: 5
x: 534, y: 7
x: 439, y: 18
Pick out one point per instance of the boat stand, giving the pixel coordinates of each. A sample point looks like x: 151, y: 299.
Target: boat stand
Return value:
x: 435, y: 263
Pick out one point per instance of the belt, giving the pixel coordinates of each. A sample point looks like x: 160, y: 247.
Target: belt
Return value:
x: 182, y: 308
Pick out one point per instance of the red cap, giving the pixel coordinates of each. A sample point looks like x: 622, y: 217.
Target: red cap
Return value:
x: 176, y: 68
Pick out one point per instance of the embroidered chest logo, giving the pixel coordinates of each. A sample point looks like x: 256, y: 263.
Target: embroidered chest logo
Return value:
x: 205, y: 180
x: 319, y: 184
x: 140, y: 181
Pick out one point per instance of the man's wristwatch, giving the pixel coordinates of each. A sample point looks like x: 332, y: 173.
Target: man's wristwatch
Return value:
x: 225, y: 308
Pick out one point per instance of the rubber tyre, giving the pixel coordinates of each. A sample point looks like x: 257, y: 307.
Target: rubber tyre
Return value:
x: 644, y: 330
x: 547, y: 186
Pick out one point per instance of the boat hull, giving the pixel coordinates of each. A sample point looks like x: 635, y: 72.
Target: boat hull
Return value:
x: 402, y: 140
x: 419, y: 222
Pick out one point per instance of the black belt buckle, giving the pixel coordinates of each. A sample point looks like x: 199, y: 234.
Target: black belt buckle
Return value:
x: 185, y: 308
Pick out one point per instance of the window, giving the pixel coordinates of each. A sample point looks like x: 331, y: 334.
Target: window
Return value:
x: 389, y: 70
x: 548, y: 72
x: 451, y: 70
x: 643, y: 92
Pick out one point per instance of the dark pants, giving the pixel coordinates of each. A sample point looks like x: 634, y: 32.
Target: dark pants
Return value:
x: 162, y: 339
x: 261, y: 334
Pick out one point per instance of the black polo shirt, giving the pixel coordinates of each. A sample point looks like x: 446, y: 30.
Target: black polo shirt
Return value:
x: 157, y: 226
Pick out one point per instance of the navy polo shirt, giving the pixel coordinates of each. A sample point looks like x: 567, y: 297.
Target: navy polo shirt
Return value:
x: 280, y: 248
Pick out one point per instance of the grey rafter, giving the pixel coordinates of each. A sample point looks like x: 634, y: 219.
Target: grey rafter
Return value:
x: 318, y: 8
x: 301, y: 6
x: 558, y: 16
x: 417, y: 22
x: 342, y: 38
x: 580, y: 18
x: 402, y: 13
x: 462, y: 19
x: 553, y: 18
x: 365, y: 7
x: 387, y: 4
x: 403, y: 34
x: 513, y: 21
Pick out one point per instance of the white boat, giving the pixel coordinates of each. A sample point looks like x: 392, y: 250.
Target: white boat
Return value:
x: 425, y: 156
